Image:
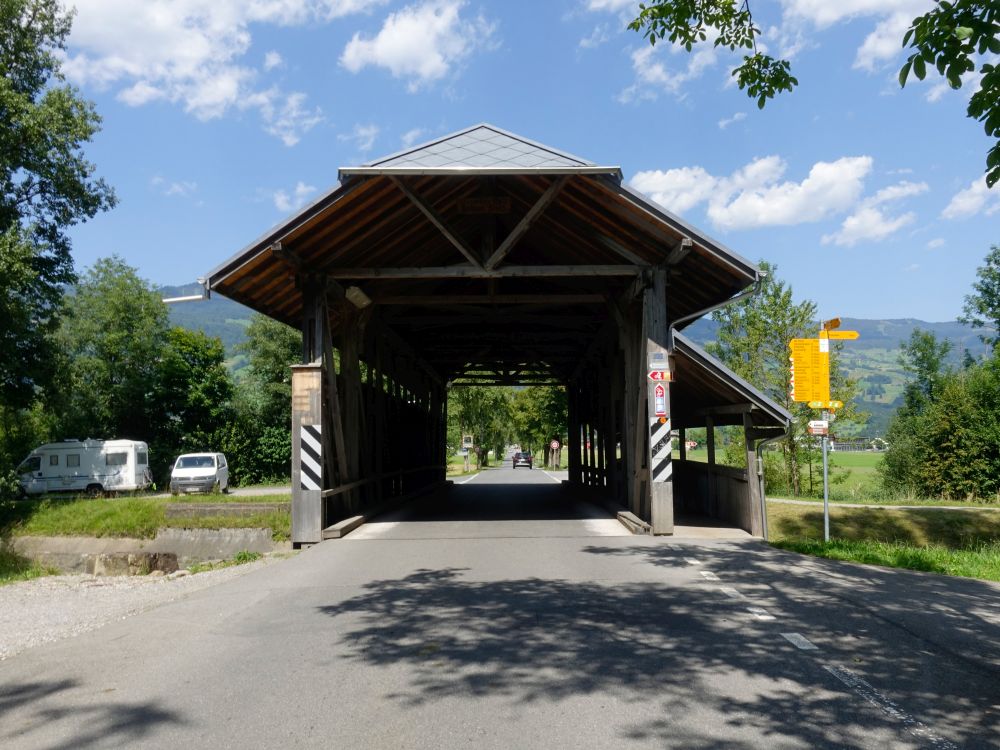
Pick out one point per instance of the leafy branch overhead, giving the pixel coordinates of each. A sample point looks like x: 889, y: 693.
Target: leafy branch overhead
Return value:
x: 688, y: 22
x: 951, y: 37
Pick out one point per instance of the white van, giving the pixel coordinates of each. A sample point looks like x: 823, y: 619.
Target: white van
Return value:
x: 91, y: 466
x: 200, y: 472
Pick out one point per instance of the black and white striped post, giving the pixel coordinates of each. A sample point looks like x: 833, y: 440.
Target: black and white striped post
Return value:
x: 658, y: 377
x: 311, y: 457
x: 307, y: 454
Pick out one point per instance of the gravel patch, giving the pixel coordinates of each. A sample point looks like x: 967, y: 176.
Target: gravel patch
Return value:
x: 51, y: 608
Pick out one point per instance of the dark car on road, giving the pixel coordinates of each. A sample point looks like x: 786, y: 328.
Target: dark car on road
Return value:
x: 522, y: 459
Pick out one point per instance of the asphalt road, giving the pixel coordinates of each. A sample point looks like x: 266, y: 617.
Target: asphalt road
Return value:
x: 505, y: 614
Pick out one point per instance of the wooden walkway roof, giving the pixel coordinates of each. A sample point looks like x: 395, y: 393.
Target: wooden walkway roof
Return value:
x: 485, y: 250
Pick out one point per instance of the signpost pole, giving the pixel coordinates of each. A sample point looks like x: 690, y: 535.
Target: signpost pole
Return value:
x: 826, y: 493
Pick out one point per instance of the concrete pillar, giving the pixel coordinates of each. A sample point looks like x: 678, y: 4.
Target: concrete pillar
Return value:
x: 307, y: 422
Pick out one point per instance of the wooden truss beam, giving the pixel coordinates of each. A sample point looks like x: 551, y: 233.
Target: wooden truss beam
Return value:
x: 525, y: 223
x: 434, y: 218
x: 423, y: 300
x: 477, y: 272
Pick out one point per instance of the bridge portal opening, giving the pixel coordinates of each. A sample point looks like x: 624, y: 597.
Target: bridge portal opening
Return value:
x: 484, y: 257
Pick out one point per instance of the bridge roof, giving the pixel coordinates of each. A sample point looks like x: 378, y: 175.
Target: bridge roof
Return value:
x: 483, y: 249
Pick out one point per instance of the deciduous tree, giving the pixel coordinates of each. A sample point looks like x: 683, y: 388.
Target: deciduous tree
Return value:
x: 953, y: 37
x: 114, y: 335
x: 46, y: 186
x: 982, y: 307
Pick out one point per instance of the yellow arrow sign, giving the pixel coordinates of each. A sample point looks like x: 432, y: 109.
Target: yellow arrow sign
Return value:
x: 826, y: 404
x: 842, y: 334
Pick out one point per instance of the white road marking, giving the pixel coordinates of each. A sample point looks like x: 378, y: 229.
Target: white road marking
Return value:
x: 760, y: 613
x: 371, y: 530
x: 731, y: 592
x: 605, y: 527
x: 890, y: 709
x: 551, y: 477
x: 799, y: 641
x: 467, y: 480
x: 692, y: 561
x: 709, y: 575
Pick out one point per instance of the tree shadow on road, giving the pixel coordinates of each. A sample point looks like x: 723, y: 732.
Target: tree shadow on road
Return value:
x: 677, y: 653
x: 103, y: 722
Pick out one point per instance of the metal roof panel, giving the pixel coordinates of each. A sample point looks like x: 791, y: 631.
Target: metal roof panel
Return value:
x: 466, y: 148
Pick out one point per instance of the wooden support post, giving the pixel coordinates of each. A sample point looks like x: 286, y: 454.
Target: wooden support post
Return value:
x: 661, y: 487
x: 352, y: 329
x: 307, y: 421
x: 333, y: 401
x: 379, y: 384
x: 609, y: 428
x: 712, y: 501
x: 756, y: 502
x: 573, y: 431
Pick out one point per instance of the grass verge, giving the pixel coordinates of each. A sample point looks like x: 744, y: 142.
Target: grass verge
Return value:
x: 953, y: 542
x: 955, y: 529
x: 125, y: 517
x: 14, y: 568
x: 240, y: 558
x: 982, y: 561
x: 218, y: 497
x: 876, y: 500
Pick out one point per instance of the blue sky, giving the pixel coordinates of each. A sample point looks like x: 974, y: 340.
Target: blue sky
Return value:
x: 223, y: 117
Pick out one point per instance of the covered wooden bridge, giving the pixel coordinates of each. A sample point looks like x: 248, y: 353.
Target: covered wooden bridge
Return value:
x: 485, y: 258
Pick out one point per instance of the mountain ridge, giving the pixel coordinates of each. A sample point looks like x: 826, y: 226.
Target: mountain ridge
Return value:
x: 873, y: 359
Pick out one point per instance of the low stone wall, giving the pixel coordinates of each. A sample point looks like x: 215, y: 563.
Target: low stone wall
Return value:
x: 79, y: 554
x: 232, y: 510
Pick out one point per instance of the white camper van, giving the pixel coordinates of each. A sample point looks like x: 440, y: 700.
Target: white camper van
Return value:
x: 91, y: 466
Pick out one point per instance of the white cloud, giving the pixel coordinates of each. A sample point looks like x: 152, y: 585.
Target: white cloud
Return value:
x: 754, y: 196
x: 612, y: 5
x: 273, y: 60
x: 597, y: 37
x: 935, y: 243
x: 823, y: 13
x: 193, y: 53
x: 182, y: 188
x: 421, y: 43
x: 653, y: 75
x: 870, y: 220
x: 676, y: 190
x: 363, y: 137
x: 883, y: 43
x: 796, y: 31
x: 283, y: 201
x: 285, y: 116
x: 725, y: 122
x: 867, y: 223
x: 412, y: 136
x: 975, y: 199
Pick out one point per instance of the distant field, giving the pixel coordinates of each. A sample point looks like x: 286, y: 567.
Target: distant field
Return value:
x: 861, y: 483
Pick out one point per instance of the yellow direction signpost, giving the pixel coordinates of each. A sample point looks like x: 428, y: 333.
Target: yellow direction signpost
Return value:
x: 810, y: 370
x: 810, y: 383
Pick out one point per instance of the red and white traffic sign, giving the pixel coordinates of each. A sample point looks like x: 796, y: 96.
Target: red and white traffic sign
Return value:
x: 660, y: 375
x: 660, y: 400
